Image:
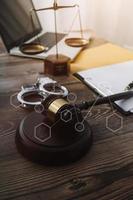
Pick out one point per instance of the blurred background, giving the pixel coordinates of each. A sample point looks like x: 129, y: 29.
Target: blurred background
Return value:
x: 111, y: 20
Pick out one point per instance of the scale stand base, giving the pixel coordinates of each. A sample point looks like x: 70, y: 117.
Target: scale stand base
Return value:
x: 48, y: 144
x: 57, y: 65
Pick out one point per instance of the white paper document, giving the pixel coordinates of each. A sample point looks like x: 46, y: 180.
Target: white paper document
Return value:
x: 111, y: 79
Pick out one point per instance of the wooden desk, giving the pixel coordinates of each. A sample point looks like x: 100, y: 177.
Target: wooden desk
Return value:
x: 105, y: 173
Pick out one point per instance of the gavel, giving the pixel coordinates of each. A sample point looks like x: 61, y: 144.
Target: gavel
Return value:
x: 54, y: 137
x: 55, y: 106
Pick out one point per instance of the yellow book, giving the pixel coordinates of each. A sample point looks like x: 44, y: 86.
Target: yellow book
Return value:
x: 105, y: 54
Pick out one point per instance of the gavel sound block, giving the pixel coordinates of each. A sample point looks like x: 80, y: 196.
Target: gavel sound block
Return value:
x: 58, y: 141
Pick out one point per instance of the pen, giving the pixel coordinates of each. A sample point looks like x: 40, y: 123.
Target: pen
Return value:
x: 103, y: 100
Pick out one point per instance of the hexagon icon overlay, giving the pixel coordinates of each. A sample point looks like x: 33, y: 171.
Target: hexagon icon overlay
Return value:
x: 114, y: 127
x: 79, y: 127
x: 66, y: 115
x: 42, y: 132
x: 72, y: 97
x: 39, y: 108
x: 14, y: 101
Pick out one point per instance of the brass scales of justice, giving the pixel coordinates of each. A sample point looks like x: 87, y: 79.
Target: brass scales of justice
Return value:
x: 57, y: 64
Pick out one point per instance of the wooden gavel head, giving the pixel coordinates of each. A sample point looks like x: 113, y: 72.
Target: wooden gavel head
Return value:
x: 59, y: 109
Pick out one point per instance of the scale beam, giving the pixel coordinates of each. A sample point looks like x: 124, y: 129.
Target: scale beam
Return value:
x: 55, y: 7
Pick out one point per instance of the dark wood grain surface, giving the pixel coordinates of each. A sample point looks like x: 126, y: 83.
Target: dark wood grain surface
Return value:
x: 105, y: 173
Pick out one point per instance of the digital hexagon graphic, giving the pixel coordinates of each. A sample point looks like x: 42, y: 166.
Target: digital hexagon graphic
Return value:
x: 42, y: 132
x: 39, y: 108
x: 72, y: 97
x: 66, y: 115
x: 79, y: 127
x: 114, y: 127
x: 14, y: 101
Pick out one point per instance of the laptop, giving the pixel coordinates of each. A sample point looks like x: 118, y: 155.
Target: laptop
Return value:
x: 16, y: 28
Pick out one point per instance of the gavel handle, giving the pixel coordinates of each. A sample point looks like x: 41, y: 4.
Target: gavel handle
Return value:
x: 103, y: 100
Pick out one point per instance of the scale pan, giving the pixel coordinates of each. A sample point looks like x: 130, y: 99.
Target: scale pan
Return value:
x: 33, y: 48
x: 77, y: 42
